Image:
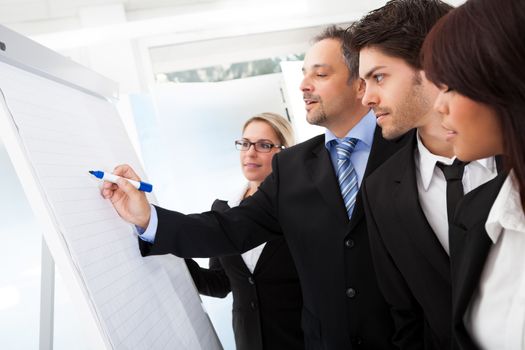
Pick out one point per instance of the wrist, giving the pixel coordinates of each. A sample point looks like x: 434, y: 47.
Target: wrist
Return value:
x: 143, y: 222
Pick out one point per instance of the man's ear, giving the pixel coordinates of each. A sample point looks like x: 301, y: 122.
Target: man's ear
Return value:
x: 422, y: 76
x: 361, y: 86
x: 431, y: 89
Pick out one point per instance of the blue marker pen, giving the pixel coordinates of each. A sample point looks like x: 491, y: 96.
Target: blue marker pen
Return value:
x: 141, y: 186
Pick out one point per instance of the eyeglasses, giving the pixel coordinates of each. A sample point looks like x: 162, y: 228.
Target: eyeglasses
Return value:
x: 260, y: 146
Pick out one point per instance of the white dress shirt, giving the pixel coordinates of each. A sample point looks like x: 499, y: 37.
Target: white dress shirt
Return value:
x: 432, y: 186
x: 496, y: 316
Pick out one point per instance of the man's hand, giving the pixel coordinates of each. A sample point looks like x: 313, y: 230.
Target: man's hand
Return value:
x: 130, y: 203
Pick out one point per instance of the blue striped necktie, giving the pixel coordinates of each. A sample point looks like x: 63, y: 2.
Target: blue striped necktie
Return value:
x: 346, y: 174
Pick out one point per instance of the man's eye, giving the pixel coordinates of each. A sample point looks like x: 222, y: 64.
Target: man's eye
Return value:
x: 379, y: 77
x: 445, y: 88
x: 321, y: 75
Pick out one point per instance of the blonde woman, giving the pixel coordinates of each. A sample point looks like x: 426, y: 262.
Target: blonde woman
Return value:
x: 267, y: 297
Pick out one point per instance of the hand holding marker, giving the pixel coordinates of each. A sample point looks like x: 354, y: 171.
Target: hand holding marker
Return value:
x: 141, y: 186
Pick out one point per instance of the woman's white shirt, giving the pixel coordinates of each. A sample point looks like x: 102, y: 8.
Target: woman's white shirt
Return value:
x: 496, y: 316
x: 250, y: 257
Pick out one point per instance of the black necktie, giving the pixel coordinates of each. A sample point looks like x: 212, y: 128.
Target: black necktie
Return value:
x: 454, y: 175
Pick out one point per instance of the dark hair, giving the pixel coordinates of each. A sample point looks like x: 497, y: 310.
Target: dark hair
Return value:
x: 398, y: 29
x: 351, y: 57
x: 478, y: 51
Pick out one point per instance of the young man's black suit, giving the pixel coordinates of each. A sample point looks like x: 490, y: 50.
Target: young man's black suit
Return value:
x: 413, y: 267
x: 343, y: 307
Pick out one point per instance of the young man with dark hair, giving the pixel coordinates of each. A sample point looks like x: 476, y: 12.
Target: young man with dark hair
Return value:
x: 311, y: 198
x: 411, y: 198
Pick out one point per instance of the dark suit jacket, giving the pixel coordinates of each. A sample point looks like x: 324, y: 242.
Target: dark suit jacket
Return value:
x: 468, y: 259
x: 342, y: 305
x: 266, y: 304
x: 412, y: 266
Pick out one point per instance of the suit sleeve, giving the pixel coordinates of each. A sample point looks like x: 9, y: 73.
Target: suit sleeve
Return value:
x: 212, y: 233
x: 406, y: 312
x: 212, y: 282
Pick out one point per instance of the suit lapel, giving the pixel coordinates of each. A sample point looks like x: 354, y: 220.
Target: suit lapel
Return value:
x: 266, y: 255
x: 408, y: 211
x: 468, y: 260
x: 467, y: 273
x: 236, y: 260
x: 380, y: 152
x: 323, y: 177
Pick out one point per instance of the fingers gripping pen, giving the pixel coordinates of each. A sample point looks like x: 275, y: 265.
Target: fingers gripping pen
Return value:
x: 139, y: 185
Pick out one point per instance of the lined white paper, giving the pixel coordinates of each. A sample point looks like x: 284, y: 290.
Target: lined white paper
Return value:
x: 140, y: 303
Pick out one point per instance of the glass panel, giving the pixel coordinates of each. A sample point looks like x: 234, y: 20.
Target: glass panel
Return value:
x: 229, y: 71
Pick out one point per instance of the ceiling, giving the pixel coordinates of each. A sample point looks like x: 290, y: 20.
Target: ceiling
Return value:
x: 132, y: 40
x: 31, y: 17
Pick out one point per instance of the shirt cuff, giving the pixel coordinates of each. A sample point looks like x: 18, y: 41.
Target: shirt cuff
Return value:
x: 149, y: 233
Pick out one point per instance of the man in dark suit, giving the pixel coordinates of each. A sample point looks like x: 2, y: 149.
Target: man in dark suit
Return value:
x: 302, y: 200
x: 407, y: 200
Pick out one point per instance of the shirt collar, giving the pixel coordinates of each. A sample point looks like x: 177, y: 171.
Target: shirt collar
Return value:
x: 363, y: 131
x: 506, y: 212
x: 428, y: 160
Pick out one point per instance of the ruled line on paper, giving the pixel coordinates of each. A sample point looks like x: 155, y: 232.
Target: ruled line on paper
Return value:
x: 62, y: 140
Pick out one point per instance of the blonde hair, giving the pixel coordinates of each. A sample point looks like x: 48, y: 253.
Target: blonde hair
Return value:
x: 280, y: 125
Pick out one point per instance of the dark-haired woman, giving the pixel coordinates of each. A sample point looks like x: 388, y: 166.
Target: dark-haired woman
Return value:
x: 476, y: 55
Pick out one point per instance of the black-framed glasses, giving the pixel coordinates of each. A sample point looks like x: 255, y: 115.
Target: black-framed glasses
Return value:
x: 260, y: 146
